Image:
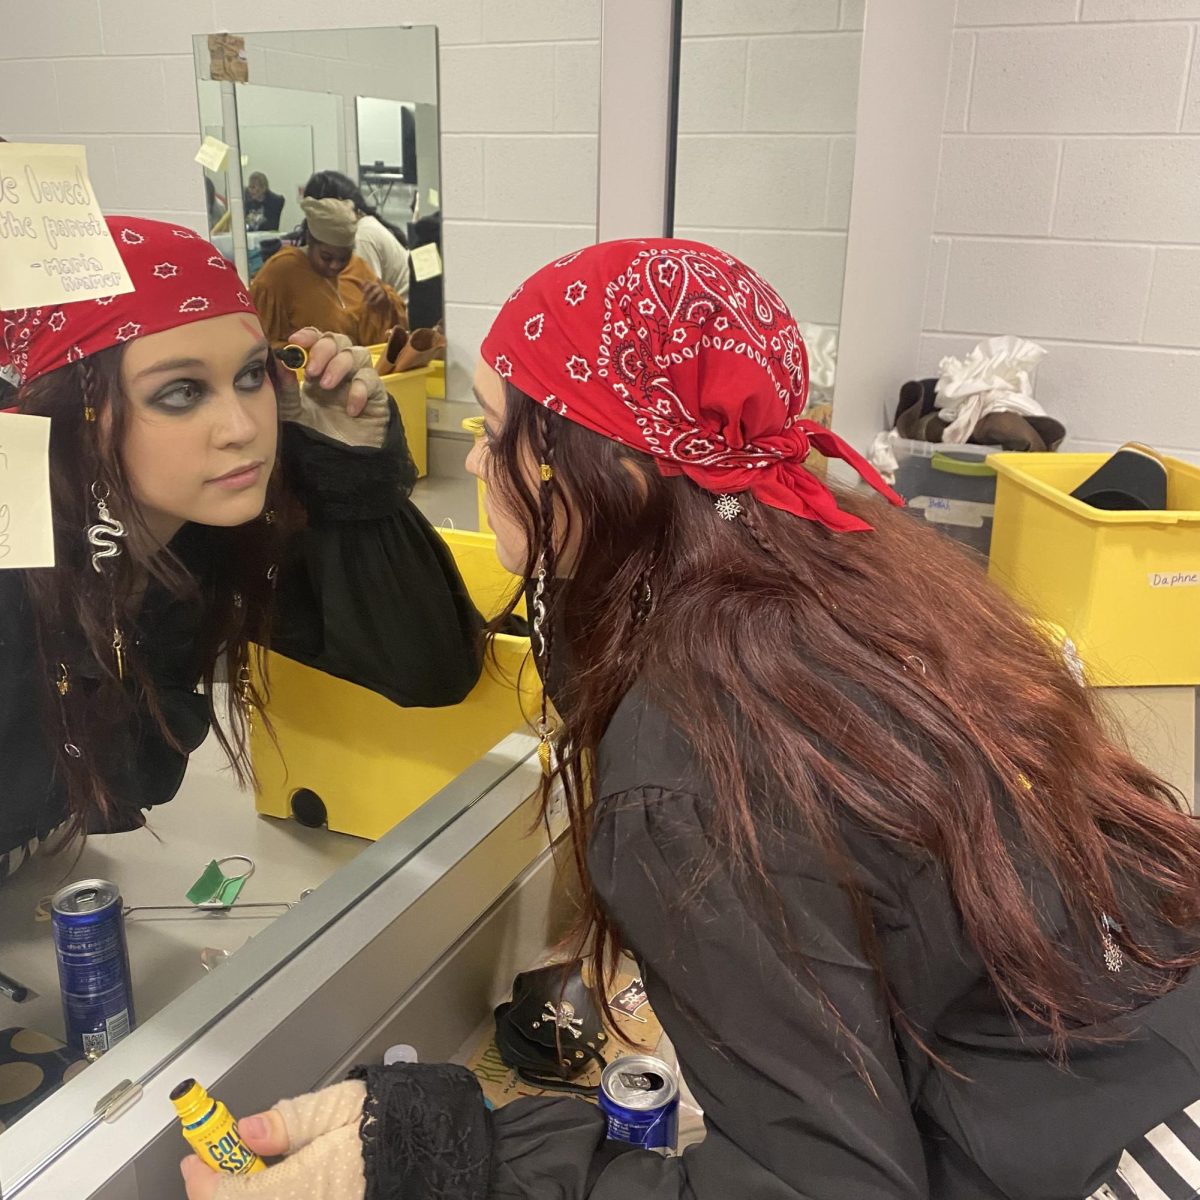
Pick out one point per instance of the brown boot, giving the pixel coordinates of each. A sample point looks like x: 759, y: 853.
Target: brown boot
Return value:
x: 397, y: 340
x: 424, y: 345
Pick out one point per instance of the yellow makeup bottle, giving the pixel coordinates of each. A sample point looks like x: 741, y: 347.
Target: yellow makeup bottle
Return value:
x: 212, y: 1132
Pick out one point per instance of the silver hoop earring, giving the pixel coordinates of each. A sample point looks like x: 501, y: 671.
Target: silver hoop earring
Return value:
x: 107, y: 533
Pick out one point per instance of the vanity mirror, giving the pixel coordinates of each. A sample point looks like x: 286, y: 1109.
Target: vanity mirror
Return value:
x: 279, y: 109
x: 765, y: 152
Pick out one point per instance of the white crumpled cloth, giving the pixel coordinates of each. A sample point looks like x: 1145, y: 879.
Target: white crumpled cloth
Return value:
x: 994, y: 377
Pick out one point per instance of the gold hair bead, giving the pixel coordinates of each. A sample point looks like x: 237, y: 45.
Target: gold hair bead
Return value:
x: 547, y: 472
x: 545, y: 747
x: 63, y: 683
x: 89, y: 413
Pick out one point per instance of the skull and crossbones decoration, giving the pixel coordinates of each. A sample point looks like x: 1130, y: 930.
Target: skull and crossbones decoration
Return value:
x: 563, y: 1015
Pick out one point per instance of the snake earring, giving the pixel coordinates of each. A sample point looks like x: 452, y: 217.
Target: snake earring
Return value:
x: 106, y: 533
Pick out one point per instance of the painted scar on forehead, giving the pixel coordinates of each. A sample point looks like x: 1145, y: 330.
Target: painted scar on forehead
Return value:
x: 251, y: 326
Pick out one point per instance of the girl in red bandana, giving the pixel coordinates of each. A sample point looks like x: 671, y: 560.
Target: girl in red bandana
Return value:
x: 184, y: 464
x: 916, y: 927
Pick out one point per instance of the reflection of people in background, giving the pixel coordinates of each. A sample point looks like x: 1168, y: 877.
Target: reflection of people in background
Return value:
x: 379, y: 243
x: 324, y: 283
x: 263, y: 206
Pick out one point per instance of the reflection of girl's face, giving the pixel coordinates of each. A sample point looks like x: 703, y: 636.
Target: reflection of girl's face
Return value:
x: 257, y: 190
x: 202, y: 426
x: 328, y: 261
x: 511, y: 544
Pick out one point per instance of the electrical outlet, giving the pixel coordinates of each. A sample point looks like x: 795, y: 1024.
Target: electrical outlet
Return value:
x: 433, y: 414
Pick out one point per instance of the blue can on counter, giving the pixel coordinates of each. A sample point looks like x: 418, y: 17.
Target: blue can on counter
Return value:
x: 639, y: 1094
x: 93, y: 965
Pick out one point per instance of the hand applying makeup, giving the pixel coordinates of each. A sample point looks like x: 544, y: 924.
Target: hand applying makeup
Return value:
x: 341, y: 396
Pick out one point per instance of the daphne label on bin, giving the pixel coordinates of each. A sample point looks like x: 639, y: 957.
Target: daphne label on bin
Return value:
x: 1175, y: 579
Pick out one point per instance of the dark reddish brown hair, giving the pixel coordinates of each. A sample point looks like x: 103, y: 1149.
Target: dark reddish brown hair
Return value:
x: 877, y: 679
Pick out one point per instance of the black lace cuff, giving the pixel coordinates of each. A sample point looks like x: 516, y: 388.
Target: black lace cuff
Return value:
x: 336, y: 482
x: 425, y: 1133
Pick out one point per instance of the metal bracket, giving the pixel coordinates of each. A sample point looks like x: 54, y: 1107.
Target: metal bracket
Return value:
x: 113, y: 1104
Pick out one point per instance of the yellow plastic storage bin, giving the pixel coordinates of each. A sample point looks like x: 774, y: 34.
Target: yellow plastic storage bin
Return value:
x: 408, y: 389
x: 435, y: 385
x: 474, y: 426
x: 371, y: 763
x: 1124, y: 585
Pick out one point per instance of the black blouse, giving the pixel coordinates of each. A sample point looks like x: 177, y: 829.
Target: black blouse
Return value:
x: 788, y: 1116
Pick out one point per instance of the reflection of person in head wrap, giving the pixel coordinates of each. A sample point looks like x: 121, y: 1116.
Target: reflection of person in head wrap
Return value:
x: 324, y: 284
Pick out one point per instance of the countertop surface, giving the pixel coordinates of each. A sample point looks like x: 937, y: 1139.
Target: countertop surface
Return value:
x: 209, y: 818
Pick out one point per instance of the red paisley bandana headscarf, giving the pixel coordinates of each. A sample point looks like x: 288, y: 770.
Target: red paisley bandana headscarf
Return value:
x: 681, y: 351
x: 177, y: 276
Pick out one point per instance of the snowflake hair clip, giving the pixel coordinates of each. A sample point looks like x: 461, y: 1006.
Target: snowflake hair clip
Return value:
x: 729, y: 508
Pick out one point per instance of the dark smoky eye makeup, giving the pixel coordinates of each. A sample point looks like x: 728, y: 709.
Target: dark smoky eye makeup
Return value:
x: 253, y: 375
x: 181, y: 395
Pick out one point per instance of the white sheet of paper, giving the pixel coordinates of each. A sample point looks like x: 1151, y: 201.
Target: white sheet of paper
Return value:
x: 426, y: 262
x: 54, y: 245
x: 433, y: 198
x: 213, y: 154
x: 26, y: 530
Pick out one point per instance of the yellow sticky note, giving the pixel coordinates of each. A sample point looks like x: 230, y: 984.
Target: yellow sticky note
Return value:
x: 433, y: 197
x: 426, y: 262
x: 26, y: 530
x: 54, y: 244
x: 213, y: 154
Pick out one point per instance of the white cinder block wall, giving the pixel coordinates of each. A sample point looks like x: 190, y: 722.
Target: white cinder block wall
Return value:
x: 1069, y: 209
x: 520, y: 105
x: 767, y: 99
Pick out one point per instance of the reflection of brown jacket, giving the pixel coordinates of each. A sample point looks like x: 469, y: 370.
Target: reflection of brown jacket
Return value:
x: 289, y: 295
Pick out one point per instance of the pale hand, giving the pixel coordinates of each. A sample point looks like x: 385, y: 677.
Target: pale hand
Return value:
x: 318, y: 1133
x: 342, y: 395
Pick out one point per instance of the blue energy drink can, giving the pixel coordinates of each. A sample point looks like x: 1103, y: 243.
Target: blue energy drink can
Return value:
x: 639, y: 1094
x: 93, y: 965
